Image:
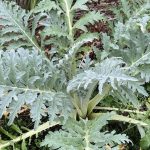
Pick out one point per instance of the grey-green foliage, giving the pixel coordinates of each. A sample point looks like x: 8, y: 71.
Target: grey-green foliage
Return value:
x: 133, y: 47
x: 126, y: 62
x: 15, y: 31
x: 84, y: 135
x: 57, y: 18
x: 110, y: 71
x: 128, y: 9
x: 61, y: 23
x: 131, y: 42
x: 48, y: 86
x: 28, y: 78
x: 46, y: 6
x: 89, y: 18
x: 56, y: 28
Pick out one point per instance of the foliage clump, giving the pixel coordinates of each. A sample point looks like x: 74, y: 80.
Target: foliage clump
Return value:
x: 67, y: 87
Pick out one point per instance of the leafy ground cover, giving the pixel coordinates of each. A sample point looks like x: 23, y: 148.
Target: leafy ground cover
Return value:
x: 74, y: 74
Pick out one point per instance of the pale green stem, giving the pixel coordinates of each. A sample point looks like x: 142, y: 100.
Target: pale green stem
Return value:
x: 120, y: 118
x: 84, y: 106
x: 93, y: 102
x: 121, y: 110
x: 69, y: 18
x: 25, y: 89
x: 41, y: 128
x: 87, y: 142
x: 75, y: 100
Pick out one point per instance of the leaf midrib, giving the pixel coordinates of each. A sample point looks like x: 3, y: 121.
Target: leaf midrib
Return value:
x: 25, y: 89
x: 16, y: 23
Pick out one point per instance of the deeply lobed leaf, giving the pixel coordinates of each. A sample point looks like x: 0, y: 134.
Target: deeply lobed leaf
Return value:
x: 26, y: 78
x: 84, y: 135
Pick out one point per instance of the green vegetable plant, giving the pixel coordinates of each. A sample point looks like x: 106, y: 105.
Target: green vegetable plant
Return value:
x: 64, y: 86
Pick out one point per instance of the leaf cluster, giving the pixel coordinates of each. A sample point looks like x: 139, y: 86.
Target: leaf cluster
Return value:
x: 64, y: 85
